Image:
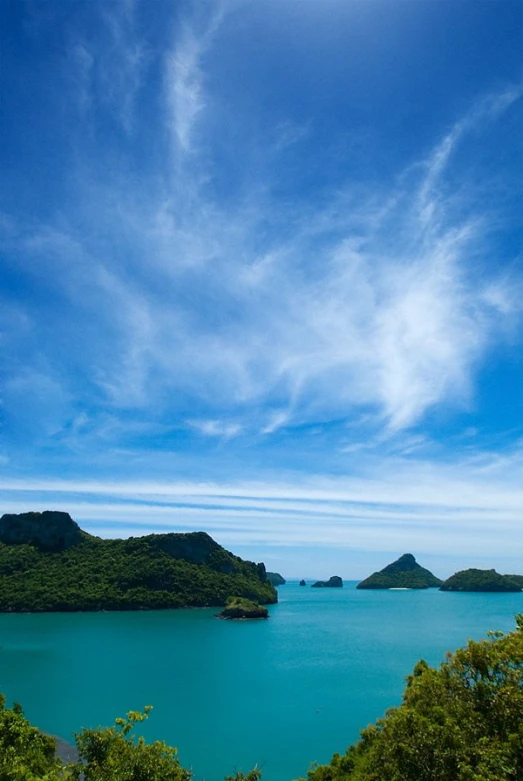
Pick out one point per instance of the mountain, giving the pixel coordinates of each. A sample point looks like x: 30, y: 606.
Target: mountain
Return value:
x: 47, y: 563
x: 405, y: 572
x: 481, y: 580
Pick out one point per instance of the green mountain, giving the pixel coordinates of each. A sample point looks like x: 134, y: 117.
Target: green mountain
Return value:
x: 47, y: 563
x: 480, y: 580
x: 403, y: 573
x: 276, y: 579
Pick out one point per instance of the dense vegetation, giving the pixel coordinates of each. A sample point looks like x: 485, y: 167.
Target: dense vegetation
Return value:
x: 405, y: 572
x: 239, y: 607
x: 516, y: 579
x: 480, y: 580
x: 152, y: 572
x: 461, y: 722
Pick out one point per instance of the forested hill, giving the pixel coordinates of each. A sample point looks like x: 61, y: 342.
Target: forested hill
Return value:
x: 47, y: 563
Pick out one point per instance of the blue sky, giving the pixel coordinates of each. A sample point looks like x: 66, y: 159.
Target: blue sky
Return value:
x: 262, y: 275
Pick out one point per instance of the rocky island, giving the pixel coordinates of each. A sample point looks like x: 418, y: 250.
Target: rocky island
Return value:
x: 480, y: 580
x: 240, y: 608
x: 302, y: 582
x: 48, y: 563
x: 405, y: 572
x: 334, y: 582
x: 276, y: 579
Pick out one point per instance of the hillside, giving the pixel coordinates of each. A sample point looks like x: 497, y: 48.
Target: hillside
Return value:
x: 480, y: 580
x: 405, y: 572
x: 47, y: 563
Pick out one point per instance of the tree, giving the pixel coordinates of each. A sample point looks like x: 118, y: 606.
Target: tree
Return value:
x: 461, y: 722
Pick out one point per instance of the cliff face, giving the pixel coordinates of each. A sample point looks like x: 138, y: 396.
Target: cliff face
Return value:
x: 405, y: 572
x: 49, y: 531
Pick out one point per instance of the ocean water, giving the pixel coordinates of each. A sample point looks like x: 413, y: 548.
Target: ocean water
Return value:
x: 281, y: 693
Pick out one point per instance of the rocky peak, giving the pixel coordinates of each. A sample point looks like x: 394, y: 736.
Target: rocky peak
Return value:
x: 50, y: 531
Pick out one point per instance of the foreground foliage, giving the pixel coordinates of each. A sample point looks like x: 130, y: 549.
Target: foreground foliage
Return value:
x: 111, y: 754
x: 461, y: 722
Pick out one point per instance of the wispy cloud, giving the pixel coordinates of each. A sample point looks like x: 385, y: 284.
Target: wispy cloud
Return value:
x: 369, y: 301
x: 421, y: 506
x: 184, y: 74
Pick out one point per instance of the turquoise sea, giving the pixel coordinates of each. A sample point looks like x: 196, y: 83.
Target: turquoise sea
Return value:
x: 281, y: 693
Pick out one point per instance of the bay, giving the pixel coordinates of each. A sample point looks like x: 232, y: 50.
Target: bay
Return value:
x: 280, y: 693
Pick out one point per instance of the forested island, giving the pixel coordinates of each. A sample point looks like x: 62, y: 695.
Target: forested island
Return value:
x: 276, y: 579
x: 405, y: 572
x: 47, y: 563
x: 241, y: 608
x: 333, y: 582
x: 482, y: 580
x: 462, y: 721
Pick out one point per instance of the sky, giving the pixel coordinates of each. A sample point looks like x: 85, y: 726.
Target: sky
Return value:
x: 261, y: 275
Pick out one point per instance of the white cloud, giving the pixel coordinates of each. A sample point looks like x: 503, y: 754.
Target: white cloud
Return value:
x: 184, y: 75
x: 217, y: 428
x: 407, y: 504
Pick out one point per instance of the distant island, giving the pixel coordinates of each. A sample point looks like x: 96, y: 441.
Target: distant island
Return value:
x: 276, y: 579
x: 405, y: 572
x: 302, y: 583
x: 48, y: 563
x: 241, y: 608
x: 334, y: 582
x: 482, y: 580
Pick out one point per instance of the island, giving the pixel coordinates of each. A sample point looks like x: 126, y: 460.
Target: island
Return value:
x: 241, y: 608
x: 404, y: 573
x: 333, y: 582
x: 276, y: 579
x: 480, y: 580
x: 302, y: 583
x: 48, y: 563
x: 517, y: 579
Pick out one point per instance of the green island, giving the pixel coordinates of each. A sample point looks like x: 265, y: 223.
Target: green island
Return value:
x: 405, y: 572
x: 482, y: 580
x: 276, y: 579
x: 47, y: 563
x: 240, y: 608
x: 333, y: 582
x: 462, y: 721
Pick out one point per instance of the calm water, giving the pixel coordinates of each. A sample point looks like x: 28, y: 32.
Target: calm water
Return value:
x: 280, y: 693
